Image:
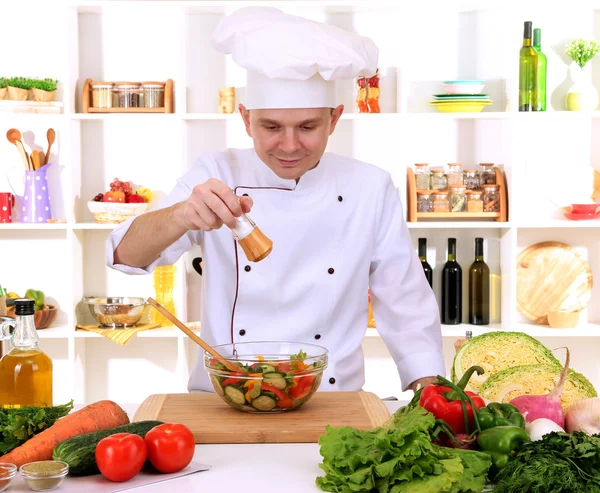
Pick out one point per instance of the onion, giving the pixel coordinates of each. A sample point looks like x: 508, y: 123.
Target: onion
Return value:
x: 584, y: 415
x: 540, y: 427
x: 545, y: 406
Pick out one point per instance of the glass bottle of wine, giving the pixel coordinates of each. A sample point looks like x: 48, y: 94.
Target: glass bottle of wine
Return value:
x: 528, y: 60
x: 540, y: 101
x: 423, y: 257
x: 451, y: 288
x: 479, y: 288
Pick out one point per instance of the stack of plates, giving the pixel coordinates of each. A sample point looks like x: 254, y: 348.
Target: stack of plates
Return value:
x: 461, y: 96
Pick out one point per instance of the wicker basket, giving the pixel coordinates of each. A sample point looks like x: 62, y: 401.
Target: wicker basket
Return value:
x: 115, y: 212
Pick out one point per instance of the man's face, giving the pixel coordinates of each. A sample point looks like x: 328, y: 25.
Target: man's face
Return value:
x: 290, y: 141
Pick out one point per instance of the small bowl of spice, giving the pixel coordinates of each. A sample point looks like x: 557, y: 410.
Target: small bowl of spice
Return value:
x: 7, y: 473
x: 44, y: 475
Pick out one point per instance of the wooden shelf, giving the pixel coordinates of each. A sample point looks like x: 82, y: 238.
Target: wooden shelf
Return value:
x: 458, y: 215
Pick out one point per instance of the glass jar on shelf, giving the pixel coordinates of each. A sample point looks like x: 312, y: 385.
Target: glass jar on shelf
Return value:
x: 424, y: 203
x: 458, y: 199
x: 102, y: 94
x: 487, y: 174
x: 455, y: 175
x: 439, y: 180
x: 474, y: 201
x: 153, y: 94
x: 128, y: 94
x: 471, y: 179
x: 422, y: 176
x: 441, y: 202
x: 491, y: 198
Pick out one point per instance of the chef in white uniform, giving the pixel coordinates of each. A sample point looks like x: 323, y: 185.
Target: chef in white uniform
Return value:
x: 336, y: 223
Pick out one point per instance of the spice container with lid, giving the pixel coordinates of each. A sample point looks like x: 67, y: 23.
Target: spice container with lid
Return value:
x: 424, y: 203
x: 491, y: 198
x: 7, y: 473
x: 154, y: 94
x: 474, y: 201
x: 441, y: 201
x: 458, y: 199
x: 487, y: 175
x: 226, y: 99
x: 471, y: 179
x: 128, y: 94
x: 422, y: 176
x: 439, y: 180
x: 102, y: 94
x: 44, y: 475
x: 455, y: 175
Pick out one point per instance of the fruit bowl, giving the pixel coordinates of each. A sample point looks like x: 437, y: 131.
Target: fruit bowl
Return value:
x: 116, y: 212
x: 266, y: 377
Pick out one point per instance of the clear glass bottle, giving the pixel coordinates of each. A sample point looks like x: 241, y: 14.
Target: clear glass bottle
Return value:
x: 474, y: 201
x: 487, y: 174
x: 422, y: 176
x: 458, y: 199
x: 164, y: 282
x: 441, y: 201
x: 471, y: 179
x: 25, y: 371
x: 424, y: 203
x: 455, y: 175
x: 439, y: 180
x: 491, y: 198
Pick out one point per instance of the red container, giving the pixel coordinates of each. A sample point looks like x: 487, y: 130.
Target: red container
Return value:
x: 7, y: 202
x: 584, y: 208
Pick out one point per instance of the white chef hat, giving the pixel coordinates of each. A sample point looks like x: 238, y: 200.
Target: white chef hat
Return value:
x: 292, y: 62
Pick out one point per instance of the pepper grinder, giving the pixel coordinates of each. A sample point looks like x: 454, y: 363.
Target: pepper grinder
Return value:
x: 253, y: 241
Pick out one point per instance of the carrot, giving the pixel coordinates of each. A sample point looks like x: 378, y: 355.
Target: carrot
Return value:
x: 98, y: 416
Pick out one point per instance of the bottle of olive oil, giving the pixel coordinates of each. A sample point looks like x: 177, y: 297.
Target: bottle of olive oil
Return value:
x: 25, y: 371
x: 479, y: 288
x: 528, y: 60
x: 540, y: 100
x: 451, y: 288
x: 423, y: 258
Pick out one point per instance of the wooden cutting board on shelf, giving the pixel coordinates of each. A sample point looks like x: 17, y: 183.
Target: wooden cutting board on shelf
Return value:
x: 213, y: 421
x: 551, y: 276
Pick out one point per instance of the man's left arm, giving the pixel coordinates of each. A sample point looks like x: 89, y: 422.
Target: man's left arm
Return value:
x: 405, y: 309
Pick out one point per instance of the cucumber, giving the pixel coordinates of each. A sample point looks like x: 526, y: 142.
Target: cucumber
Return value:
x: 275, y: 379
x: 235, y: 395
x: 264, y: 403
x: 217, y: 385
x: 79, y: 451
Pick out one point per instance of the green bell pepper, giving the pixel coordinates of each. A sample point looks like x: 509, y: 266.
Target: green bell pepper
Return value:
x: 37, y: 296
x: 498, y: 414
x: 501, y: 443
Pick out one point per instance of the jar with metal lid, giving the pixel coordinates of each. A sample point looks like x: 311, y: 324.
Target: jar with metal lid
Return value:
x: 422, y: 180
x: 471, y: 179
x: 458, y: 199
x: 154, y: 94
x: 441, y: 202
x: 128, y: 94
x: 424, y: 203
x: 102, y: 94
x: 491, y: 198
x: 487, y: 174
x: 439, y: 180
x: 474, y: 201
x: 455, y: 175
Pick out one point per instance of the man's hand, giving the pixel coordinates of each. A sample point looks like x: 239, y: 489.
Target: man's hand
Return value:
x: 421, y: 382
x: 211, y: 205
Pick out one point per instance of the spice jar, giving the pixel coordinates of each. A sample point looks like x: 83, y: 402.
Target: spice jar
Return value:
x: 440, y: 201
x: 439, y: 180
x: 154, y: 94
x: 455, y: 176
x: 129, y: 95
x: 424, y: 203
x: 487, y: 174
x: 227, y: 100
x: 474, y: 201
x: 102, y: 93
x: 422, y: 176
x: 491, y: 198
x: 458, y: 199
x: 471, y: 179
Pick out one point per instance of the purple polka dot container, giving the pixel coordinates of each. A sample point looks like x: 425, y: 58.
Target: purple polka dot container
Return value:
x: 34, y: 204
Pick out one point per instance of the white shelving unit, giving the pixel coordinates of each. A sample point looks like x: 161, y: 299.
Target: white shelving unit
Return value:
x: 421, y: 44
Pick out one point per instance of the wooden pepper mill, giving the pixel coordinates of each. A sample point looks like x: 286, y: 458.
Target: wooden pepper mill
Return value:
x: 253, y: 241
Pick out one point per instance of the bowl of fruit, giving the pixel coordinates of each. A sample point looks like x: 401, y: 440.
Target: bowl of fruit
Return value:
x: 120, y: 203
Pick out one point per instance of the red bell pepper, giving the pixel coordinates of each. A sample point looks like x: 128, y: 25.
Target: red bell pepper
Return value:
x: 278, y: 393
x: 303, y: 386
x: 447, y: 404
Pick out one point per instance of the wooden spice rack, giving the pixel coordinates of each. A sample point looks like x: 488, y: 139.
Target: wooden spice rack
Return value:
x: 414, y: 216
x: 86, y: 101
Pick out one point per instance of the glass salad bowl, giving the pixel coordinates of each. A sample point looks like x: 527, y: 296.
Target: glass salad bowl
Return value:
x: 266, y: 377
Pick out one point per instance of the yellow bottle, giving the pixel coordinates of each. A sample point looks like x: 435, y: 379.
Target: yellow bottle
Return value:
x: 26, y: 371
x: 371, y: 323
x: 164, y: 282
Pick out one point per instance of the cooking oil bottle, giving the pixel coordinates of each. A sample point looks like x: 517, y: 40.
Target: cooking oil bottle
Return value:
x: 25, y: 371
x: 164, y: 282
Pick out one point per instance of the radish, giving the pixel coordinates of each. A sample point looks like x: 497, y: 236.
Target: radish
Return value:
x: 545, y: 406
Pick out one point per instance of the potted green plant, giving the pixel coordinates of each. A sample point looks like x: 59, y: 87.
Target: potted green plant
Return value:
x: 3, y: 86
x: 582, y: 95
x: 43, y: 89
x: 18, y: 88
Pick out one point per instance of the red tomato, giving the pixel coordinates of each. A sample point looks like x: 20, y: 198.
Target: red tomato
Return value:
x: 170, y: 447
x: 303, y: 386
x: 121, y: 456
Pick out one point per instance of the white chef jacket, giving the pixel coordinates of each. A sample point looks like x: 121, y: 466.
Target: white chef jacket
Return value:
x: 336, y: 233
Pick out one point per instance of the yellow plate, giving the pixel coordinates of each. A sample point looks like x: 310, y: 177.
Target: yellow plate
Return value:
x: 460, y: 106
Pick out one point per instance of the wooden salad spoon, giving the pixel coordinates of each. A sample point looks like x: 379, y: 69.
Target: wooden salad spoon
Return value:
x: 51, y: 135
x: 14, y: 137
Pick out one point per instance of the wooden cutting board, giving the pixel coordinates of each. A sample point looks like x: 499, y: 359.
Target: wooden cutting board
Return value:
x: 213, y: 421
x: 551, y: 276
